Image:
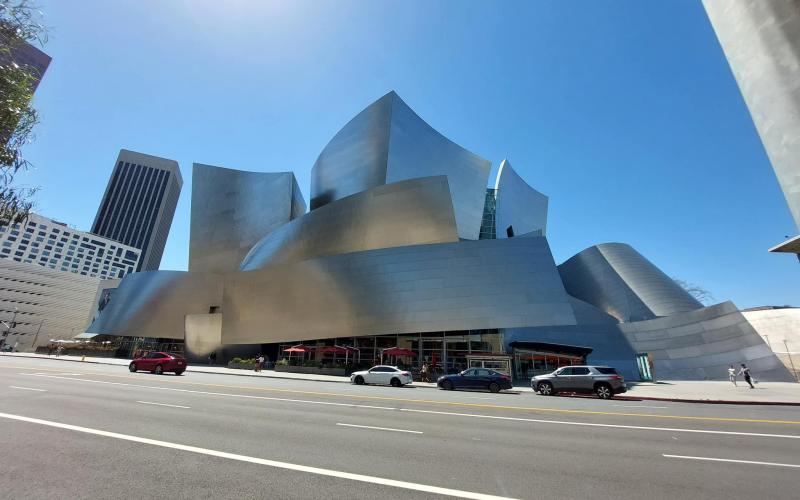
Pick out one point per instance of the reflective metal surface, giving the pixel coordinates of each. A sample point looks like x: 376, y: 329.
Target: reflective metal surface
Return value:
x: 761, y: 40
x: 154, y: 304
x: 412, y: 212
x: 619, y: 281
x: 701, y: 344
x: 450, y: 286
x: 233, y: 209
x: 517, y: 205
x: 388, y: 142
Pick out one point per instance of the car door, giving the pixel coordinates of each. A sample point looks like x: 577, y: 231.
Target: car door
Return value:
x: 144, y: 362
x: 582, y: 379
x: 156, y: 358
x: 483, y: 378
x: 466, y: 379
x: 563, y: 380
x: 378, y: 375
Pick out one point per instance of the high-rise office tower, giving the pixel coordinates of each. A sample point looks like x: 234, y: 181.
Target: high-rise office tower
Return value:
x: 35, y: 62
x: 139, y: 203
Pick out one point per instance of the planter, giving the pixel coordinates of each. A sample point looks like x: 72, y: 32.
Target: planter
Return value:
x: 337, y: 372
x: 242, y: 366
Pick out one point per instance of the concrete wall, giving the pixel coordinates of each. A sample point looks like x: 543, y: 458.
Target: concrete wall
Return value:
x: 61, y: 302
x: 780, y: 329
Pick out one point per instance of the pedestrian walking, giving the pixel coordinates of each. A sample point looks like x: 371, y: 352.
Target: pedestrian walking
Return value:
x: 259, y: 362
x: 745, y: 372
x: 212, y: 358
x: 732, y: 375
x: 424, y: 373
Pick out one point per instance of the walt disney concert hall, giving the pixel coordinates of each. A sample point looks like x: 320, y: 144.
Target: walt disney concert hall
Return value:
x: 404, y: 246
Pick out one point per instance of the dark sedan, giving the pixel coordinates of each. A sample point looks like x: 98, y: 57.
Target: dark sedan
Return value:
x: 158, y: 363
x: 475, y: 378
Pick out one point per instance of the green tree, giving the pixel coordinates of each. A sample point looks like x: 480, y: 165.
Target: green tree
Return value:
x: 19, y: 24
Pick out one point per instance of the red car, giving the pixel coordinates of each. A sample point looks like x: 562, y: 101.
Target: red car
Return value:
x: 158, y: 363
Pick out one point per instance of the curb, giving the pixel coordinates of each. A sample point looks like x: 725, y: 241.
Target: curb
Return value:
x: 620, y: 398
x: 708, y: 401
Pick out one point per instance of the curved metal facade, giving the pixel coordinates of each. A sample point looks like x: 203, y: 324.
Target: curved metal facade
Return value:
x: 411, y: 212
x: 155, y: 304
x: 701, y: 344
x: 233, y: 209
x: 449, y: 286
x: 387, y: 142
x: 619, y: 281
x: 518, y: 205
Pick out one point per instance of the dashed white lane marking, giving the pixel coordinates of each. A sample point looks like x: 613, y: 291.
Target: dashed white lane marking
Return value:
x: 164, y: 404
x: 379, y: 428
x: 750, y: 462
x: 260, y: 461
x: 434, y: 412
x: 641, y: 406
x: 27, y: 388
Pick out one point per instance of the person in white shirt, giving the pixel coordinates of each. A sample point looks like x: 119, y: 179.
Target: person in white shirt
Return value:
x: 732, y: 374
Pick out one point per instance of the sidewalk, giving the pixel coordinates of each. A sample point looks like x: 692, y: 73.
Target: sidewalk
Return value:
x: 767, y: 393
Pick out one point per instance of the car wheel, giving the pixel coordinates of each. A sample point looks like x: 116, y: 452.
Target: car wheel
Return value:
x: 493, y: 387
x: 132, y: 367
x: 545, y: 388
x: 159, y: 370
x: 179, y: 373
x: 359, y: 380
x: 396, y: 382
x: 447, y: 385
x: 604, y: 391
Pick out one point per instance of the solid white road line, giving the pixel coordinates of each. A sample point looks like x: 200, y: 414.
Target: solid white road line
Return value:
x: 269, y: 463
x: 164, y: 404
x: 434, y: 412
x: 751, y: 462
x: 379, y: 428
x: 27, y: 388
x: 640, y: 406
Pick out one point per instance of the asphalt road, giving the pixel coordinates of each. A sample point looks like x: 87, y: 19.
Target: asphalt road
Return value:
x: 69, y: 430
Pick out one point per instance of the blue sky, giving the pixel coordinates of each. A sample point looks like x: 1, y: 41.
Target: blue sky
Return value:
x: 624, y: 113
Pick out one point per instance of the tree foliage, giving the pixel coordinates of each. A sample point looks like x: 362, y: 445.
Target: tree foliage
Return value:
x: 19, y: 24
x: 701, y: 294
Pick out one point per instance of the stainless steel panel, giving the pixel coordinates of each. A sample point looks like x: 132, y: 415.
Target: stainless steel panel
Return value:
x: 702, y: 343
x: 518, y: 205
x: 619, y: 281
x: 388, y: 142
x: 412, y: 212
x: 761, y: 39
x: 155, y: 303
x: 233, y: 209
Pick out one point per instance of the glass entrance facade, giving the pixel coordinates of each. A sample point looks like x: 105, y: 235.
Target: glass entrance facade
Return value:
x: 444, y: 352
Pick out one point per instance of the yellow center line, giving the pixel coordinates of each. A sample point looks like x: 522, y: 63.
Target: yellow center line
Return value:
x: 426, y: 401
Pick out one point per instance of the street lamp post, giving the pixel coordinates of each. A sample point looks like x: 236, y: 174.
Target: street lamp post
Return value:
x: 791, y: 363
x: 9, y: 327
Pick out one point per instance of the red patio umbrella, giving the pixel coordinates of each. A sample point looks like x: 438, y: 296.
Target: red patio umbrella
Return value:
x: 299, y: 348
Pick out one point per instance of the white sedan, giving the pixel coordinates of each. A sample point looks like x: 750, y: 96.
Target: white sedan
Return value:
x: 382, y: 374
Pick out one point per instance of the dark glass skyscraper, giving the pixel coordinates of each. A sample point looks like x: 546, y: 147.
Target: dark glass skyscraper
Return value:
x: 139, y: 204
